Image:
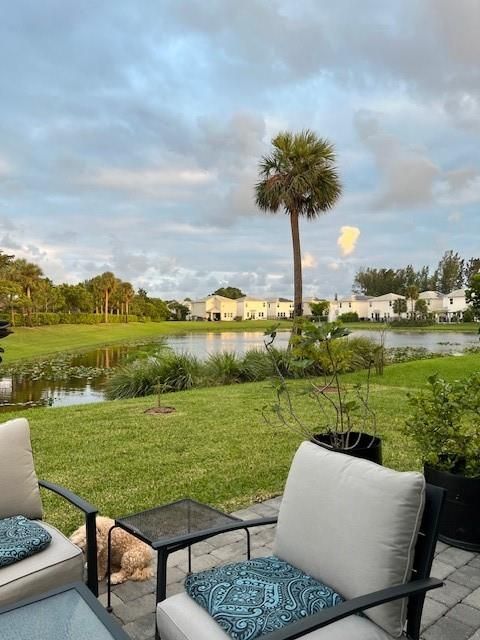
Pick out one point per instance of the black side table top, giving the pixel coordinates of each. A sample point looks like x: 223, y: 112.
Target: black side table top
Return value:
x: 174, y: 519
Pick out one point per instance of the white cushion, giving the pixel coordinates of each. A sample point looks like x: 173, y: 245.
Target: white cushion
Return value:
x: 181, y: 618
x: 60, y: 563
x: 351, y: 524
x: 19, y: 493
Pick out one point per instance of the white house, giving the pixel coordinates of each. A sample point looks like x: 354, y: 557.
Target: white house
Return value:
x: 214, y: 307
x: 381, y: 307
x: 249, y: 308
x: 454, y: 304
x: 279, y: 308
x: 356, y: 303
x: 434, y: 300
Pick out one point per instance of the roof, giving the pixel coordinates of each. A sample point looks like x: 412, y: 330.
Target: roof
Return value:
x: 250, y: 299
x: 356, y: 297
x: 279, y: 300
x: 457, y: 293
x: 389, y: 296
x: 430, y: 294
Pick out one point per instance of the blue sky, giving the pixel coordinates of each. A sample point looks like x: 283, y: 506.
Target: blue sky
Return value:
x: 130, y: 134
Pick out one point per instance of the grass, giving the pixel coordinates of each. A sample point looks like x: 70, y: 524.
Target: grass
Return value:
x: 33, y: 342
x: 216, y: 447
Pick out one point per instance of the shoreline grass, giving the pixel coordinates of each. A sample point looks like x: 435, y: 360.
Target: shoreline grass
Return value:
x: 216, y: 447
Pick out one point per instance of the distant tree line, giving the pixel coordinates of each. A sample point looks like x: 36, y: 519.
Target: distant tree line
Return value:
x: 452, y: 272
x: 28, y: 297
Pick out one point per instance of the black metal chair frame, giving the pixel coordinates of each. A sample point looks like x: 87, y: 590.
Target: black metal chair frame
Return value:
x: 414, y: 590
x: 90, y: 513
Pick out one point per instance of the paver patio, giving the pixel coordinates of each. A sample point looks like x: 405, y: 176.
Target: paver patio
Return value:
x: 451, y: 613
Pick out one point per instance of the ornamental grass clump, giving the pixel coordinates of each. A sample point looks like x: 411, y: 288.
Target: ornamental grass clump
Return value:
x: 445, y: 424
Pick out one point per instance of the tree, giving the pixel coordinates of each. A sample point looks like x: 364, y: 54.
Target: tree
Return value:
x: 471, y: 268
x: 178, y: 310
x: 320, y: 308
x: 412, y: 294
x: 229, y: 292
x: 300, y: 177
x: 399, y: 306
x: 127, y: 293
x: 449, y: 273
x: 27, y: 274
x: 472, y: 294
x: 421, y: 308
x: 108, y: 282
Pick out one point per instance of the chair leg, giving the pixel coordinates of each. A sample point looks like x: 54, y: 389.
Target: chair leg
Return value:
x: 92, y: 573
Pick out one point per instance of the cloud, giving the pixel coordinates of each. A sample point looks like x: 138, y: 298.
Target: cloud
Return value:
x: 150, y: 181
x: 5, y: 167
x: 309, y: 261
x: 348, y: 239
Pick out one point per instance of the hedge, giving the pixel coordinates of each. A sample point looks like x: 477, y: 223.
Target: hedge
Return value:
x: 42, y: 319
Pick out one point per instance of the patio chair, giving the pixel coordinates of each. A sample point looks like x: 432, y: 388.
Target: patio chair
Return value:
x: 366, y: 531
x: 61, y: 562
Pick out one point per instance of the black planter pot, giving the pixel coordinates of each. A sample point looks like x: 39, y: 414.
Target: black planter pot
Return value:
x: 460, y: 523
x: 368, y: 447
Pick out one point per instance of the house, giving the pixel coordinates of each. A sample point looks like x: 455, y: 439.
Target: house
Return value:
x: 454, y: 304
x: 434, y: 300
x: 381, y: 307
x: 214, y: 308
x: 279, y: 308
x: 249, y: 308
x: 355, y: 303
x: 307, y: 311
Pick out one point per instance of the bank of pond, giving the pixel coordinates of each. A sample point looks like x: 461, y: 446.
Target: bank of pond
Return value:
x: 183, y: 361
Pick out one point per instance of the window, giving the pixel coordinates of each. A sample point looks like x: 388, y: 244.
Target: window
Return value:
x: 451, y: 300
x: 349, y: 305
x: 340, y: 305
x: 389, y: 303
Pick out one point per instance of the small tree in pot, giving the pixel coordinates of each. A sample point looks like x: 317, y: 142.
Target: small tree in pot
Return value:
x: 445, y: 424
x: 345, y: 422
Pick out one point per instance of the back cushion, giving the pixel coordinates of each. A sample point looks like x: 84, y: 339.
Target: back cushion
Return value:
x: 351, y: 524
x: 19, y: 492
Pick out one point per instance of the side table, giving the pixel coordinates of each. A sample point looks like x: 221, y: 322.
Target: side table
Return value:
x: 163, y: 528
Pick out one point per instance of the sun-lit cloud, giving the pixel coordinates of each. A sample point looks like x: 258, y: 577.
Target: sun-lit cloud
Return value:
x: 347, y: 240
x: 150, y: 181
x: 309, y: 261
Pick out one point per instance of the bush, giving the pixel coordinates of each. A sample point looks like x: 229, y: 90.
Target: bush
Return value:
x: 468, y: 315
x: 48, y: 319
x: 256, y: 365
x: 224, y: 368
x: 350, y: 316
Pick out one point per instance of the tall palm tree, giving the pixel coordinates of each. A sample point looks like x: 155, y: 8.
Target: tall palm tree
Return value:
x: 26, y: 274
x: 412, y: 294
x: 298, y: 176
x: 108, y: 284
x: 127, y: 293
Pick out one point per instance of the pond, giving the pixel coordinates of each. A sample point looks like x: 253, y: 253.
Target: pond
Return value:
x: 80, y: 378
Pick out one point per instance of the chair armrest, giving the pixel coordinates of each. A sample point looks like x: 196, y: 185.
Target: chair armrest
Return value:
x: 349, y: 607
x: 90, y: 529
x: 78, y: 502
x: 198, y: 536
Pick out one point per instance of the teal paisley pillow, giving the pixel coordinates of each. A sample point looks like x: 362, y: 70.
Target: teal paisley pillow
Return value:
x: 249, y: 599
x: 21, y: 538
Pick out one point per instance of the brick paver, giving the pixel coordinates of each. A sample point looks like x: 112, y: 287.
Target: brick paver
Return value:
x: 451, y: 613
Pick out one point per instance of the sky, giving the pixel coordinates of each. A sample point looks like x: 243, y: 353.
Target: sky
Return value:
x: 130, y: 136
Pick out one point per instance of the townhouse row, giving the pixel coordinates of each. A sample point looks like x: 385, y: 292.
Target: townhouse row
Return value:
x: 446, y: 307
x: 217, y: 307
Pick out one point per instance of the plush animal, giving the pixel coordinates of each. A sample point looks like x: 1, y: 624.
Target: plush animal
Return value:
x: 131, y: 558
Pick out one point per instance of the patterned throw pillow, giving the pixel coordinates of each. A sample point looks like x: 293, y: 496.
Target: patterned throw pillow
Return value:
x: 21, y: 538
x: 251, y: 598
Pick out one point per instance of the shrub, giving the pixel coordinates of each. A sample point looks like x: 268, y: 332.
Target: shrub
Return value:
x: 350, y: 316
x: 468, y: 315
x: 224, y: 368
x: 256, y: 366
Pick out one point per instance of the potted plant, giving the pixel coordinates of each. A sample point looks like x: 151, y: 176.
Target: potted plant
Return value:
x: 345, y: 421
x: 445, y: 424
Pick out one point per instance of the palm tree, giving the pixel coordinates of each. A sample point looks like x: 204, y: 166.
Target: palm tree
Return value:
x: 412, y: 294
x: 27, y: 274
x: 108, y: 284
x: 300, y: 177
x: 127, y: 293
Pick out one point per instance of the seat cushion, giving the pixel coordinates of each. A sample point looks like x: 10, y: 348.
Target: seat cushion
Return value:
x: 20, y: 538
x: 180, y: 618
x: 351, y: 524
x: 20, y: 493
x: 60, y: 563
x: 251, y: 598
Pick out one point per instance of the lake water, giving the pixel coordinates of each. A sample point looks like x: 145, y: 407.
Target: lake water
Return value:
x: 81, y: 378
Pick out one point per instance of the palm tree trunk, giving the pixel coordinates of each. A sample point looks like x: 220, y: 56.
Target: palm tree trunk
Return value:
x: 297, y: 267
x: 126, y: 310
x: 106, y: 305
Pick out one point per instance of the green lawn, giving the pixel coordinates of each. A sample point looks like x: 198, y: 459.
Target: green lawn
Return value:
x: 216, y: 447
x: 32, y: 342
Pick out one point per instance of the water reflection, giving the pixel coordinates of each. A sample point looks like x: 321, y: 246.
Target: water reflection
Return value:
x: 81, y: 378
